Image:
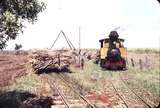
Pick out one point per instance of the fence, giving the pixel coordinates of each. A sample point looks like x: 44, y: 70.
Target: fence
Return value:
x: 141, y: 63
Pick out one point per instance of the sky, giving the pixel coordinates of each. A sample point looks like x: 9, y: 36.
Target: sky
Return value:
x: 138, y: 22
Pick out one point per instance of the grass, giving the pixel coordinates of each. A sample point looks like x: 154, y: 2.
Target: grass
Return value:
x: 94, y: 79
x: 148, y: 80
x: 25, y: 83
x: 91, y: 77
x: 12, y: 96
x: 144, y: 50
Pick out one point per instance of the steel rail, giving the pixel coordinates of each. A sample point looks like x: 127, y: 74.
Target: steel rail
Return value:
x: 127, y: 85
x: 54, y: 86
x: 118, y: 94
x: 81, y: 96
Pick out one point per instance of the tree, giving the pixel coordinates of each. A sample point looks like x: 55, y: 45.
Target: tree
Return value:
x: 12, y: 15
x: 18, y: 46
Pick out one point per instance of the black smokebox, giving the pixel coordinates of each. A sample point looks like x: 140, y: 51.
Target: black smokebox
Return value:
x: 113, y: 36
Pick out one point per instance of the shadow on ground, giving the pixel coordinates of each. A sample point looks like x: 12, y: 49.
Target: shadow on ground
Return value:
x: 13, y: 99
x: 114, y: 70
x: 19, y: 99
x: 53, y: 70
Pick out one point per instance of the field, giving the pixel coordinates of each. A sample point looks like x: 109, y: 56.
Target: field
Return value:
x: 11, y: 66
x: 136, y: 87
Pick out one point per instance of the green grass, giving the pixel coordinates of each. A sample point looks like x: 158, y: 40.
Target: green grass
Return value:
x: 24, y: 83
x: 147, y: 79
x: 91, y: 77
x: 12, y: 96
x: 94, y: 79
x: 144, y: 50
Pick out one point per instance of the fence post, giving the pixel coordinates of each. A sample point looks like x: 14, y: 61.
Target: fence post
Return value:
x: 82, y: 63
x: 132, y: 62
x: 140, y: 64
x: 147, y: 64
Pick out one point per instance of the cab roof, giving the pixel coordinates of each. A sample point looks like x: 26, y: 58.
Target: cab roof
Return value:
x: 107, y: 40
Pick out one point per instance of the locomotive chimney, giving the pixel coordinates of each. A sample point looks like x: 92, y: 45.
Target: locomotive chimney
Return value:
x: 113, y: 36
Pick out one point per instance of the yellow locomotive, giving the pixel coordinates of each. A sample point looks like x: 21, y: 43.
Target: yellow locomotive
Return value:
x: 112, y: 52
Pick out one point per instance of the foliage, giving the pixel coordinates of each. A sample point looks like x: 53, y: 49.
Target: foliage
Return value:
x: 26, y: 83
x: 12, y: 15
x: 18, y: 46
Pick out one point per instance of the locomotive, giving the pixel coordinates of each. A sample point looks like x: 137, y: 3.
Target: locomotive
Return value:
x: 112, y: 52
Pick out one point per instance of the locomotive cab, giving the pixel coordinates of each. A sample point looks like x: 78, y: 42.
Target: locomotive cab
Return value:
x: 112, y: 52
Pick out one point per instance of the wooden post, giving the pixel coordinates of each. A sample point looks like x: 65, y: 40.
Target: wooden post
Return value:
x: 147, y: 64
x: 140, y: 64
x: 132, y: 62
x: 59, y: 61
x: 82, y: 63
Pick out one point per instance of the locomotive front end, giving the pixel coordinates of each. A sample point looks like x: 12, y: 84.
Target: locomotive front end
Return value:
x: 112, y: 52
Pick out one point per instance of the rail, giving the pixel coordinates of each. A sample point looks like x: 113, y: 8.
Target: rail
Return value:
x: 81, y: 96
x: 118, y: 94
x: 127, y: 85
x: 54, y: 86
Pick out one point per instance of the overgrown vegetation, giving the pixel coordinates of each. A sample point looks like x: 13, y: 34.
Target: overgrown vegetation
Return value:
x: 26, y: 83
x: 22, y: 89
x: 144, y: 50
x: 12, y: 15
x: 91, y: 77
x: 145, y: 82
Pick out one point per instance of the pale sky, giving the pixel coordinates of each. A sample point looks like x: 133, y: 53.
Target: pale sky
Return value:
x: 139, y: 22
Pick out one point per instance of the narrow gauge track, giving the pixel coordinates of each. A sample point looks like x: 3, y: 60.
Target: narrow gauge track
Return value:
x: 149, y: 104
x: 88, y: 103
x: 118, y: 94
x: 132, y: 92
x: 53, y: 87
x: 127, y: 106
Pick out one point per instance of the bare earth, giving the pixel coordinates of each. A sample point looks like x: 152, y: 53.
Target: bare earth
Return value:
x: 11, y: 67
x: 14, y: 65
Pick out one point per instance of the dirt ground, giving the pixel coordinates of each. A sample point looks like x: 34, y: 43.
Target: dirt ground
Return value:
x: 12, y: 65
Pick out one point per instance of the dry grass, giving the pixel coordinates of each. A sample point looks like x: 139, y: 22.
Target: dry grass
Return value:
x: 144, y: 50
x: 93, y: 79
x: 145, y: 82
